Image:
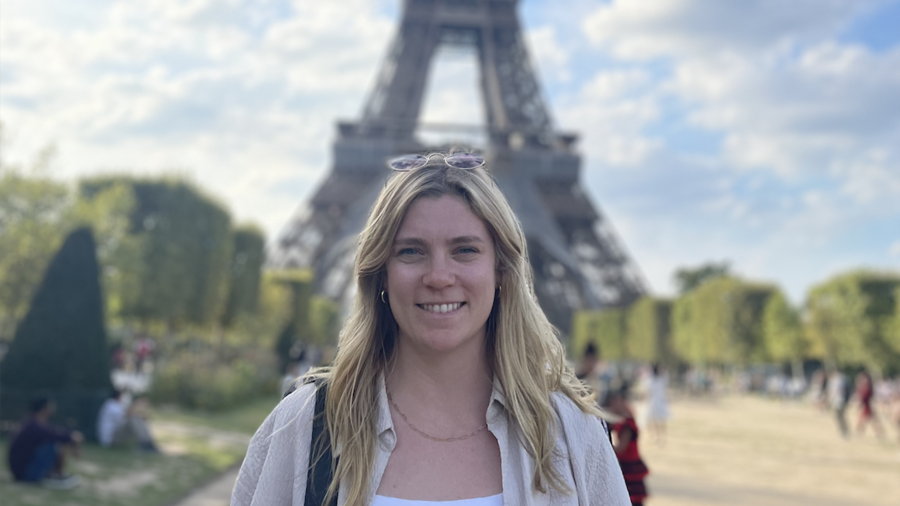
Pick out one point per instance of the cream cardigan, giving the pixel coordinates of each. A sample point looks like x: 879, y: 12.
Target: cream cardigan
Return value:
x: 275, y: 468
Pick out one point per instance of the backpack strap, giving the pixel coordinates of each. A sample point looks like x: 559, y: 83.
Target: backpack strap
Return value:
x: 321, y: 462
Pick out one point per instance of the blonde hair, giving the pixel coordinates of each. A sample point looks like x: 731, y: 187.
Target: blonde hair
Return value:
x: 522, y: 346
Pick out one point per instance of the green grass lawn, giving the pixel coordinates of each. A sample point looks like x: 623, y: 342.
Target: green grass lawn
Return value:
x: 196, y: 448
x: 244, y: 420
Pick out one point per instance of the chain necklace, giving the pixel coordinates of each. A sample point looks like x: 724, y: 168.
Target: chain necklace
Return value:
x: 429, y: 436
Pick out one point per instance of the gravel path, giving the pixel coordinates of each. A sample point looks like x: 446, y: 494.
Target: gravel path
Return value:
x: 741, y: 451
x: 751, y: 451
x: 217, y: 493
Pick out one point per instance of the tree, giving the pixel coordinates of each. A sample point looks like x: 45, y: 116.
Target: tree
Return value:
x: 689, y: 278
x: 299, y: 329
x: 894, y: 328
x: 604, y: 328
x: 35, y: 215
x: 185, y: 249
x: 273, y: 312
x: 649, y: 334
x: 245, y: 273
x: 325, y: 319
x: 783, y: 333
x: 720, y: 322
x: 31, y: 214
x: 118, y: 250
x: 851, y: 318
x: 60, y: 345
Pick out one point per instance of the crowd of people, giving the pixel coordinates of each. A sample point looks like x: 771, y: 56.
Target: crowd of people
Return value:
x: 38, y: 451
x: 876, y: 404
x: 855, y: 399
x: 138, y: 357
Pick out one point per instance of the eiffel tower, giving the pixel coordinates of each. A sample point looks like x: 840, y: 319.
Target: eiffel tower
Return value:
x: 578, y: 261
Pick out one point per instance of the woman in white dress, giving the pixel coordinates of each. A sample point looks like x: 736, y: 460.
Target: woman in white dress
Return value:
x: 657, y: 404
x: 449, y: 382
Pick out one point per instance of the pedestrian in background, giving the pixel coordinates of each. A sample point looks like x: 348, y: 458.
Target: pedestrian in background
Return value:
x: 838, y: 396
x: 657, y: 404
x: 625, y: 440
x: 37, y: 453
x: 867, y: 415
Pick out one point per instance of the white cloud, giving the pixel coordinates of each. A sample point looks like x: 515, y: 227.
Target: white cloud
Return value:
x: 769, y: 76
x: 895, y: 249
x: 611, y: 111
x: 644, y: 29
x: 241, y: 94
x: 802, y: 131
x: 551, y: 58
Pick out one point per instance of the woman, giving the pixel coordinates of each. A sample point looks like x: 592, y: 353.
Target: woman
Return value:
x: 657, y: 404
x: 449, y: 383
x: 864, y: 394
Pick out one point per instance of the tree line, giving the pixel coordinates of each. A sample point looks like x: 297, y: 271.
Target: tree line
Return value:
x: 171, y: 259
x: 849, y: 320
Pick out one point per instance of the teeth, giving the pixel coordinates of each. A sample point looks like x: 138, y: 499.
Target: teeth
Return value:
x: 440, y: 308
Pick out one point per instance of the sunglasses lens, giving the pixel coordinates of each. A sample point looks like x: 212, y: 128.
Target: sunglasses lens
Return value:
x: 465, y: 161
x: 407, y: 163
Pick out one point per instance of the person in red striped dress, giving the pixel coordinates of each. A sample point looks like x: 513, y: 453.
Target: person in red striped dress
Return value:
x: 625, y: 442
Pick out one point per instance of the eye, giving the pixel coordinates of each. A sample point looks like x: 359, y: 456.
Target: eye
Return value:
x: 407, y: 252
x: 467, y: 250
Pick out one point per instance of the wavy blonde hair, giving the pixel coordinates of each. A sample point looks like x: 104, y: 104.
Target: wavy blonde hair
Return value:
x: 522, y: 346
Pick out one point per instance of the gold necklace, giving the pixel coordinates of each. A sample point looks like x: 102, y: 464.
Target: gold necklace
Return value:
x: 429, y: 436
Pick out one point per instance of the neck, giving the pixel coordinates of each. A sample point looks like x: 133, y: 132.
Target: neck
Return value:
x: 458, y: 381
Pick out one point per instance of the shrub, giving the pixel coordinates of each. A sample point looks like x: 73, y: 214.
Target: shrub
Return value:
x: 203, y: 381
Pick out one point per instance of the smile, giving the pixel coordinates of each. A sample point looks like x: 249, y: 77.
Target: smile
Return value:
x: 441, y: 308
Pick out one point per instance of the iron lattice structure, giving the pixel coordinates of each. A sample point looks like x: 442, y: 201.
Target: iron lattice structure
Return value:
x: 578, y: 261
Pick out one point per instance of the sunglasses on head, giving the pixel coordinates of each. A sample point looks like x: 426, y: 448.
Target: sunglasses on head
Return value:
x: 463, y: 161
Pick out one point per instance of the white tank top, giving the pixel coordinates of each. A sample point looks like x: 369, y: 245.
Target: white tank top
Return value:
x: 494, y: 500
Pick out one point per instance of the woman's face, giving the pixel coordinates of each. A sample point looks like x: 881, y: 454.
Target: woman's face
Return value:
x: 441, y: 276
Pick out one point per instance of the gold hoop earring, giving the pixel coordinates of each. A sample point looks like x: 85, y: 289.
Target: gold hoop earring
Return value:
x: 382, y: 297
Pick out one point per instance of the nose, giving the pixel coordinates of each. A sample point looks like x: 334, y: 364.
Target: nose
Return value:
x: 439, y: 274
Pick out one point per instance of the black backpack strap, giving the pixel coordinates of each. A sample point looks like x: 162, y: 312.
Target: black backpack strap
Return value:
x: 320, y: 472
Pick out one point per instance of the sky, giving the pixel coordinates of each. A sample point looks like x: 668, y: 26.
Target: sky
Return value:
x: 764, y: 133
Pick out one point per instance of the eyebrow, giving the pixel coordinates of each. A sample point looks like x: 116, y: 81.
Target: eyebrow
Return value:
x: 415, y: 241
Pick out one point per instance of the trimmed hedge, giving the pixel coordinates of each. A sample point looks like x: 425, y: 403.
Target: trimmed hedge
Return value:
x: 60, y: 347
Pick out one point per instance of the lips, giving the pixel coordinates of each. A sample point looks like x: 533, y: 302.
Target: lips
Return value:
x: 441, y: 308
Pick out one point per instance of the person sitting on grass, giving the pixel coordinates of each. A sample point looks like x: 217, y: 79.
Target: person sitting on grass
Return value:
x: 37, y: 452
x: 121, y: 424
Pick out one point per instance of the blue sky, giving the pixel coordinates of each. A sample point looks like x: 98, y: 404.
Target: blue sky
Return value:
x: 765, y: 133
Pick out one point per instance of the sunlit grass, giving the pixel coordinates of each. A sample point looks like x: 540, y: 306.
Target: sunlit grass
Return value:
x: 196, y: 448
x: 245, y: 419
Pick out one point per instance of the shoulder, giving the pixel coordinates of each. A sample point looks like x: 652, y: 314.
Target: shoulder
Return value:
x: 585, y: 443
x: 583, y: 433
x: 578, y: 425
x: 276, y: 461
x: 298, y: 407
x: 288, y: 427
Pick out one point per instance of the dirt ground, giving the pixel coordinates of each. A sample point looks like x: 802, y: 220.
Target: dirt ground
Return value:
x: 754, y: 451
x: 744, y: 451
